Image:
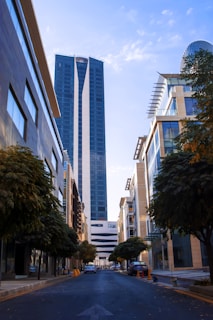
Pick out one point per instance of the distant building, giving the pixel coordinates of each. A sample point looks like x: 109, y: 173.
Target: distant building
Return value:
x: 72, y: 205
x: 133, y: 216
x: 104, y: 236
x: 79, y: 86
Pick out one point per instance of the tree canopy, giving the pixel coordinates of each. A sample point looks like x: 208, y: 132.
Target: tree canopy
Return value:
x: 182, y: 199
x: 29, y: 211
x: 87, y: 251
x: 129, y: 249
x: 26, y: 192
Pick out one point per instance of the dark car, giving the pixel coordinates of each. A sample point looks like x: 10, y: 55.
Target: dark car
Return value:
x: 137, y: 266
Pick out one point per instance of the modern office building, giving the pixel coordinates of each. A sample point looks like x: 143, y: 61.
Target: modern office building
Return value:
x: 172, y: 102
x: 79, y: 86
x: 28, y: 105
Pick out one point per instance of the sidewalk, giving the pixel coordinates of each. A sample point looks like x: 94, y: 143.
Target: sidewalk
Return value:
x: 12, y: 288
x: 185, y: 279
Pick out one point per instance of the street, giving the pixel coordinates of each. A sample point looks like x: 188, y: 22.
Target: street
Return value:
x: 105, y: 295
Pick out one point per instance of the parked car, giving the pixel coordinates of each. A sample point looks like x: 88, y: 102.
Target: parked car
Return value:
x: 136, y: 266
x: 32, y: 269
x: 90, y: 268
x: 115, y: 267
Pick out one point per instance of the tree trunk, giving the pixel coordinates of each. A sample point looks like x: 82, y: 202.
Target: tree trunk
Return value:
x: 209, y: 250
x: 55, y: 266
x: 39, y: 266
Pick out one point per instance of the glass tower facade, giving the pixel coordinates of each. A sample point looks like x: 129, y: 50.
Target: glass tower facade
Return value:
x: 79, y: 87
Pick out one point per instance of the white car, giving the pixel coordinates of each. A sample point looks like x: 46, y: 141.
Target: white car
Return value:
x: 90, y: 268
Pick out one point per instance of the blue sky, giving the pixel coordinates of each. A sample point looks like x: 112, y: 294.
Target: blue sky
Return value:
x: 135, y: 39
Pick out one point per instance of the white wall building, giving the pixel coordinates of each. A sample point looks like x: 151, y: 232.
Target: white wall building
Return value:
x: 105, y: 237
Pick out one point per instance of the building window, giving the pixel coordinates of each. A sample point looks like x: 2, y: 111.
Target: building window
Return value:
x: 170, y: 132
x: 60, y: 197
x: 47, y: 167
x: 16, y: 113
x: 29, y: 61
x: 54, y: 161
x: 131, y: 233
x: 181, y: 250
x: 191, y: 106
x: 30, y: 104
x: 172, y: 108
x: 187, y: 88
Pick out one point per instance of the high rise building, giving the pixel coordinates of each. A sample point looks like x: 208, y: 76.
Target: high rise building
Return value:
x: 79, y: 87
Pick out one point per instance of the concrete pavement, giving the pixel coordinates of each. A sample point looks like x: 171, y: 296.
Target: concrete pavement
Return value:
x: 185, y: 279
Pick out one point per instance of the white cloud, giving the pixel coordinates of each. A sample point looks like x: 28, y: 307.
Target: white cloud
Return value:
x: 129, y: 15
x: 112, y: 60
x: 189, y: 11
x: 175, y: 39
x: 141, y: 33
x: 132, y: 15
x: 167, y: 12
x: 134, y: 51
x: 171, y: 22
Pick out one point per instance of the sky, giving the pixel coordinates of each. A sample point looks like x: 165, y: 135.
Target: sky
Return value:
x: 136, y: 40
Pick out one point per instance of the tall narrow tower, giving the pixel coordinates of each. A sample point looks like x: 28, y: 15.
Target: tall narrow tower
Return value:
x: 79, y: 86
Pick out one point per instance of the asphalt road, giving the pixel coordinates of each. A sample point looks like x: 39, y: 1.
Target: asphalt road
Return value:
x: 105, y: 295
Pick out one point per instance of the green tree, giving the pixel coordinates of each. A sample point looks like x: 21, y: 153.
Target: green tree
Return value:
x: 183, y: 199
x: 55, y: 238
x: 87, y: 252
x: 29, y: 211
x: 26, y: 192
x: 129, y: 249
x: 113, y: 257
x: 197, y: 134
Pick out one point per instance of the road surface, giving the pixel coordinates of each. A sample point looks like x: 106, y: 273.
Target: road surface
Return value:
x: 106, y: 295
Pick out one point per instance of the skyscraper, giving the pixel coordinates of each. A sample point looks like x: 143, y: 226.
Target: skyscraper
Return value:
x: 79, y: 87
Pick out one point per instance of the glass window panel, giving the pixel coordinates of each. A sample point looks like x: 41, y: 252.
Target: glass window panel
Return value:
x: 170, y: 132
x: 54, y: 161
x: 191, y: 106
x: 16, y: 114
x: 30, y: 103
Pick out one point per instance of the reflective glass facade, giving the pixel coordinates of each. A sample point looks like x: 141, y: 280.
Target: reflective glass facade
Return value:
x: 194, y: 47
x: 64, y: 87
x: 28, y: 106
x: 170, y: 132
x: 79, y: 86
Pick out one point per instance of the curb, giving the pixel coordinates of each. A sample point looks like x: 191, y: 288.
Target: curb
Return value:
x: 204, y: 290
